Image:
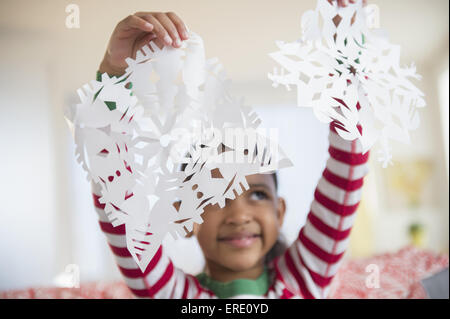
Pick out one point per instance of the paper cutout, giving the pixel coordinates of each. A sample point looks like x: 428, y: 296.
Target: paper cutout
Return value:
x: 339, y: 62
x: 132, y: 141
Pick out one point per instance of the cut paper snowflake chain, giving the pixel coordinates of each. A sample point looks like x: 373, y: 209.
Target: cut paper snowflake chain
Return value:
x: 171, y: 109
x: 339, y: 63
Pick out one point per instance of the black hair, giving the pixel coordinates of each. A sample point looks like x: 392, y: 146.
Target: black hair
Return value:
x: 275, y: 179
x: 277, y: 249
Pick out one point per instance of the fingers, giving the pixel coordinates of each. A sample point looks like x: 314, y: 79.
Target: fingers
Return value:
x: 344, y: 3
x: 179, y: 24
x: 145, y: 40
x: 158, y: 29
x: 136, y: 22
x: 168, y: 27
x: 158, y: 43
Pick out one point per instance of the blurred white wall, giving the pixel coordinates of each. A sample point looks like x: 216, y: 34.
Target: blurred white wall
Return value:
x: 28, y: 234
x: 47, y: 216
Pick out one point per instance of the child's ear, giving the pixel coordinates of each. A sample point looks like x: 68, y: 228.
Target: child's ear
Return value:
x: 281, y: 210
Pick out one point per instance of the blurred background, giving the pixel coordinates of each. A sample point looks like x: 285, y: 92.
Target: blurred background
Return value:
x: 47, y: 217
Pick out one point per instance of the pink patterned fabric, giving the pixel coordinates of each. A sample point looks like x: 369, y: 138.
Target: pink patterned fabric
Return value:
x: 400, y: 275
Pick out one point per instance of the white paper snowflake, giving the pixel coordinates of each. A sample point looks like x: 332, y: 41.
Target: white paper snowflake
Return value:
x: 339, y: 65
x: 132, y: 141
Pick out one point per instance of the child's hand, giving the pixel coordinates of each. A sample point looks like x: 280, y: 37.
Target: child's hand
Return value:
x: 344, y: 3
x: 135, y: 31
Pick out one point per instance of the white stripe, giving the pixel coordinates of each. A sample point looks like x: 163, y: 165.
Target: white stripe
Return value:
x: 205, y: 295
x: 289, y: 278
x: 96, y: 188
x: 192, y: 290
x: 190, y: 294
x: 309, y: 283
x: 343, y: 170
x: 343, y: 197
x: 273, y: 295
x: 338, y: 142
x: 323, y: 241
x: 166, y: 289
x: 126, y: 262
x: 101, y: 215
x: 326, y: 292
x: 135, y: 283
x: 330, y: 218
x: 158, y: 271
x: 116, y: 240
x: 314, y: 263
x: 179, y: 278
x: 278, y: 287
x: 139, y: 283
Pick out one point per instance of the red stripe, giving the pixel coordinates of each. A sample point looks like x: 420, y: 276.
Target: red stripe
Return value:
x: 200, y: 289
x: 278, y: 275
x: 151, y: 291
x: 186, y: 288
x: 163, y: 280
x: 317, y: 251
x: 102, y: 206
x: 96, y: 201
x: 120, y: 251
x: 350, y: 176
x: 131, y: 273
x: 155, y: 260
x: 347, y: 157
x: 173, y: 289
x: 110, y: 229
x: 342, y: 210
x: 320, y: 280
x: 286, y: 294
x: 290, y: 264
x: 136, y: 272
x: 342, y: 183
x: 327, y: 230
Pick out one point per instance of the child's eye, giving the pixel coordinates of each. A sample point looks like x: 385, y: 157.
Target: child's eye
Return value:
x: 258, y: 195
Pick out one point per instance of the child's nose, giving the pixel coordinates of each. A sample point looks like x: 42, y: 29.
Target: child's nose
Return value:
x: 237, y: 213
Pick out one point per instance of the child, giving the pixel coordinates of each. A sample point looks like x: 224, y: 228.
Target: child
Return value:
x: 239, y: 240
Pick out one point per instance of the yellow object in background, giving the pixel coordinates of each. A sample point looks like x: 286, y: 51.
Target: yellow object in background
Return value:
x: 408, y: 182
x: 417, y: 235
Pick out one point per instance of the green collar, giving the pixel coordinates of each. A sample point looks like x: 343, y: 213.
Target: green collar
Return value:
x: 258, y: 286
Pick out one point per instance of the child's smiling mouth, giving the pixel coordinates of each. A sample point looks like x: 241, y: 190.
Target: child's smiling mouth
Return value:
x: 240, y: 239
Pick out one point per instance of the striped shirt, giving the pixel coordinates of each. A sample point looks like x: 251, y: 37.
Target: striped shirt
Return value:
x: 304, y: 270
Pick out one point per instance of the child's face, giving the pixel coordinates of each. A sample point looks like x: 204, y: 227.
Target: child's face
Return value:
x: 239, y: 236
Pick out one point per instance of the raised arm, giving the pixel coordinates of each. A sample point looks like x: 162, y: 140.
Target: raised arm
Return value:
x: 310, y: 263
x: 161, y: 279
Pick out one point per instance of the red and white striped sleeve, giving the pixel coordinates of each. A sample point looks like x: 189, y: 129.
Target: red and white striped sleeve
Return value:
x: 161, y: 279
x: 309, y: 264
